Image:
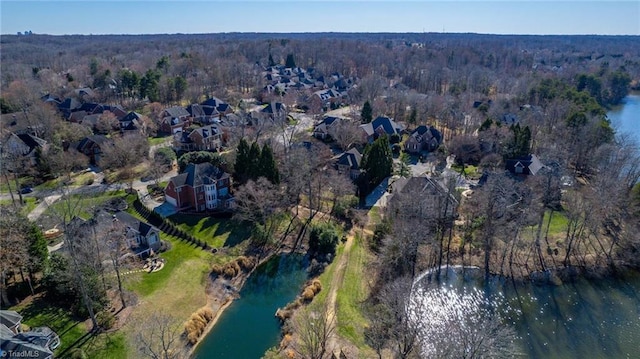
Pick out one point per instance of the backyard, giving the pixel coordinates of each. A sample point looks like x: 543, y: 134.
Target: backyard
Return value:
x: 217, y: 232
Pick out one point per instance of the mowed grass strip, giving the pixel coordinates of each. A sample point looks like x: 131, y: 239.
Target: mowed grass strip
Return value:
x: 352, y: 293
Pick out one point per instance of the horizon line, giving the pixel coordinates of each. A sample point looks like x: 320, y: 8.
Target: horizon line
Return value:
x: 23, y: 33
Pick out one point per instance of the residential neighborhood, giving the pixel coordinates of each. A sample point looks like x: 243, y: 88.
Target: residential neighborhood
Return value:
x: 366, y: 195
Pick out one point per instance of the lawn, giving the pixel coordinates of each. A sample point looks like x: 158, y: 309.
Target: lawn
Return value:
x: 158, y: 140
x: 352, y: 292
x: 470, y: 171
x: 180, y: 259
x: 77, y: 179
x: 72, y: 333
x: 216, y: 232
x: 27, y: 207
x: 558, y: 225
x: 84, y: 204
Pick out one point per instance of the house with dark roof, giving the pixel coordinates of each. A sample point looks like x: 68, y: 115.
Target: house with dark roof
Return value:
x: 174, y: 119
x: 140, y: 236
x: 93, y: 147
x: 25, y: 145
x: 38, y: 342
x: 349, y: 163
x: 422, y: 197
x: 131, y: 123
x: 326, y: 128
x: 206, y: 138
x: 276, y: 111
x: 528, y: 165
x: 423, y: 138
x: 378, y: 127
x: 12, y: 320
x: 202, y: 187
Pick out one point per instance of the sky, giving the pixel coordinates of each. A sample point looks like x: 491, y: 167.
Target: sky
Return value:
x: 604, y: 17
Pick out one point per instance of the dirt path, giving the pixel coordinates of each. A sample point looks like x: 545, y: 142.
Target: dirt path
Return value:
x: 336, y: 282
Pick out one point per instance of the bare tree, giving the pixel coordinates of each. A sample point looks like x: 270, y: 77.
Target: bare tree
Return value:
x: 314, y: 330
x: 158, y: 337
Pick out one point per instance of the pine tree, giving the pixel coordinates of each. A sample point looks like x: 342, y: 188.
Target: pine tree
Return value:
x: 253, y: 171
x: 242, y: 164
x: 290, y: 62
x: 377, y: 162
x: 366, y: 115
x: 269, y: 168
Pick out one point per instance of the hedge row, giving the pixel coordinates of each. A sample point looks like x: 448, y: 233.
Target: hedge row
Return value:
x: 167, y: 226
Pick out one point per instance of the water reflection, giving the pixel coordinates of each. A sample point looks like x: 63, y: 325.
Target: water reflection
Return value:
x: 580, y: 319
x: 458, y: 319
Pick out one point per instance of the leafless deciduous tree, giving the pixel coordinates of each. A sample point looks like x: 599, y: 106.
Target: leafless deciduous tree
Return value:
x: 158, y: 337
x: 314, y: 330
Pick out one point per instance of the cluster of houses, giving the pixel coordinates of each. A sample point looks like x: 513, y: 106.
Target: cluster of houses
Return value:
x: 322, y: 91
x: 37, y: 342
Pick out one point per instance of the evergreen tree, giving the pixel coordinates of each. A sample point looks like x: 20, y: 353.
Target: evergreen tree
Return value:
x: 413, y: 116
x: 366, y: 115
x: 242, y: 164
x: 253, y: 171
x: 269, y: 168
x: 38, y: 252
x: 290, y: 62
x: 377, y: 162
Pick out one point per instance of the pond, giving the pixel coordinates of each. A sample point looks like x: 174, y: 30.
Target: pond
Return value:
x: 248, y: 327
x: 586, y: 318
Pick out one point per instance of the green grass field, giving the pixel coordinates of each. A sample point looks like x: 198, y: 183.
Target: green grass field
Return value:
x: 354, y: 290
x: 216, y: 232
x: 83, y: 205
x: 176, y: 258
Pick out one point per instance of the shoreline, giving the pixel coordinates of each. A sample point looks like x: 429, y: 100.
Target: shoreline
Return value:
x: 219, y: 286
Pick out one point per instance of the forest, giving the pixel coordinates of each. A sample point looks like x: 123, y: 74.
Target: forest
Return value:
x: 496, y: 100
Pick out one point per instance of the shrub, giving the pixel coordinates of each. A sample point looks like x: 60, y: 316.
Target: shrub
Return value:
x: 106, y: 320
x: 308, y: 294
x: 323, y: 238
x: 196, y: 324
x: 246, y: 263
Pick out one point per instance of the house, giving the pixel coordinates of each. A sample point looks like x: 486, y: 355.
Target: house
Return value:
x: 322, y: 99
x: 38, y: 342
x: 422, y: 197
x: 26, y: 145
x: 202, y: 187
x: 12, y: 320
x: 138, y: 234
x: 349, y: 163
x: 529, y: 165
x: 378, y: 127
x: 174, y: 119
x: 423, y: 138
x: 93, y: 147
x: 206, y: 138
x: 276, y: 111
x: 10, y: 344
x: 131, y: 123
x: 41, y: 336
x: 325, y: 130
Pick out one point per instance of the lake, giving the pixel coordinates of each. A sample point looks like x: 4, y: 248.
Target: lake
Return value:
x: 626, y: 117
x: 248, y: 327
x: 588, y: 319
